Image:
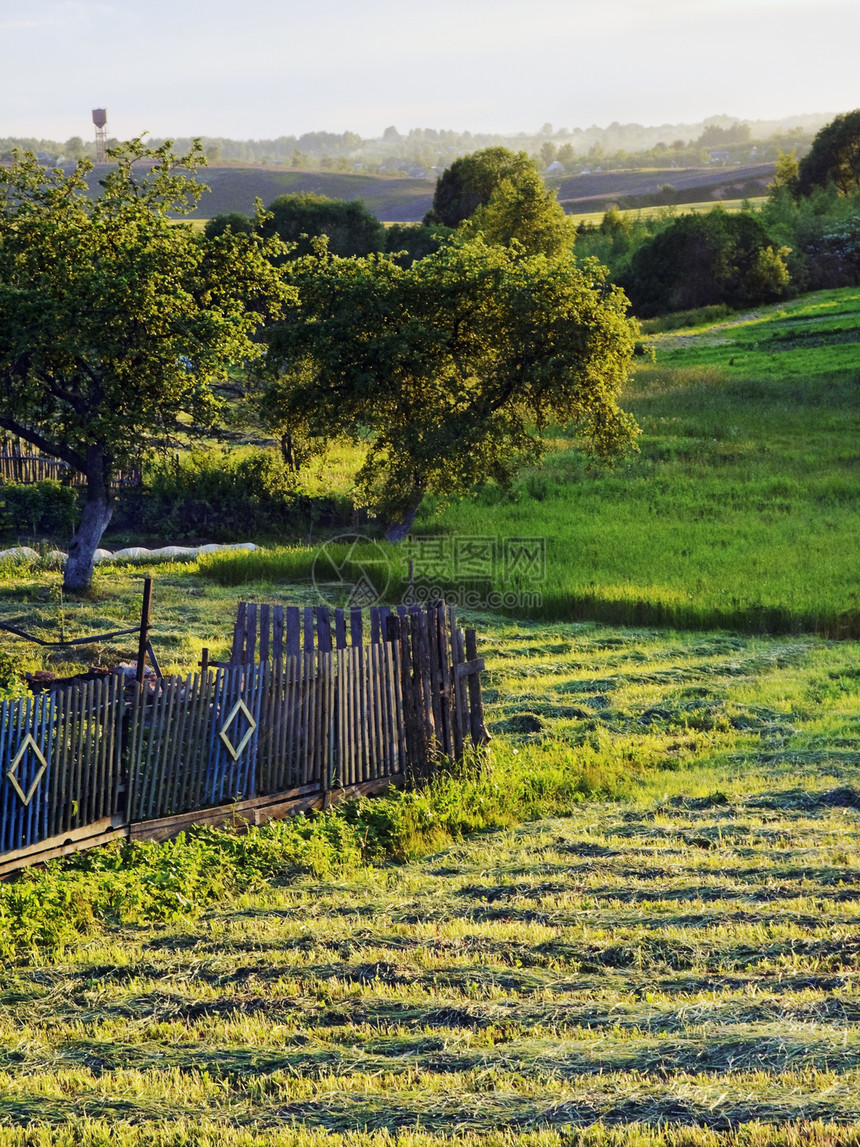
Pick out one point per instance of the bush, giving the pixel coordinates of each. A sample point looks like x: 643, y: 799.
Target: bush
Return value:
x: 702, y: 260
x: 223, y: 497
x: 11, y: 676
x: 37, y: 508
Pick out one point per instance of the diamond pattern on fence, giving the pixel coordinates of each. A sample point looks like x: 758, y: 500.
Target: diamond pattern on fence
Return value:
x: 315, y: 713
x: 240, y: 708
x: 27, y: 745
x: 61, y: 762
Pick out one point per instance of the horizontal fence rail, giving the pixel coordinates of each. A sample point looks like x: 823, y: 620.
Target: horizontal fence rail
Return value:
x: 302, y: 721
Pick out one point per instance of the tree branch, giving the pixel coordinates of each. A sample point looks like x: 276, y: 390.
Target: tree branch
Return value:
x: 53, y: 449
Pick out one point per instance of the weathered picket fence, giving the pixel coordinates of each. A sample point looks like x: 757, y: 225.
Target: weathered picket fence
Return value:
x: 63, y: 769
x: 440, y: 699
x: 251, y: 739
x: 25, y: 464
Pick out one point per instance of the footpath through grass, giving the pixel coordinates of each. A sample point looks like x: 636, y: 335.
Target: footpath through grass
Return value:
x: 680, y: 966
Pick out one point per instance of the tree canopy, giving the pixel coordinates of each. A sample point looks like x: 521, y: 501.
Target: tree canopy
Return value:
x: 454, y: 364
x: 699, y: 260
x: 115, y: 322
x: 525, y: 211
x: 834, y: 157
x: 471, y: 180
x: 351, y: 229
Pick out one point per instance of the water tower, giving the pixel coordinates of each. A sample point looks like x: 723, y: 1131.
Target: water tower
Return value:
x: 100, y: 119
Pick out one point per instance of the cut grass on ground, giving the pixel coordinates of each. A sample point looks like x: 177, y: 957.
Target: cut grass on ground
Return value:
x: 678, y: 967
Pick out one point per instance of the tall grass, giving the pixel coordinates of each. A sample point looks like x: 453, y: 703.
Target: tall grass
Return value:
x: 740, y: 507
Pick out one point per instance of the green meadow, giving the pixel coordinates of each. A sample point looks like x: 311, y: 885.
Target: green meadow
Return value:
x: 742, y: 507
x: 632, y: 922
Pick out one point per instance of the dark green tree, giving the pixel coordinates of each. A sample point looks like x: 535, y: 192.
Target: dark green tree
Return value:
x: 298, y: 219
x: 470, y: 182
x: 700, y: 260
x: 410, y: 241
x: 834, y: 157
x: 454, y: 365
x: 114, y: 322
x: 233, y: 221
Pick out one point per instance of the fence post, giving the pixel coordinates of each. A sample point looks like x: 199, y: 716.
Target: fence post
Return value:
x: 144, y: 627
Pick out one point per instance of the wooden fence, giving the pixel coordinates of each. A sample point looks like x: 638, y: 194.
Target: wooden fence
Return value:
x: 439, y: 690
x: 88, y: 761
x: 25, y: 464
x: 63, y: 763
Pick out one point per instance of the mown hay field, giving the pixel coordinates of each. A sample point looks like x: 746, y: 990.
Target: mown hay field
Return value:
x: 677, y: 965
x: 634, y: 923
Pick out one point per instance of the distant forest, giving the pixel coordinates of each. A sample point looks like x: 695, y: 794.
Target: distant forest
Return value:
x: 424, y: 152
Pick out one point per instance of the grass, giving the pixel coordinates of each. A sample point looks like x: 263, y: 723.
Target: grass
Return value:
x: 732, y: 514
x: 678, y: 965
x: 634, y: 925
x: 734, y: 511
x: 732, y: 205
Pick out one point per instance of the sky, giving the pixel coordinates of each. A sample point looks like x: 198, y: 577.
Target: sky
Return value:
x: 283, y: 67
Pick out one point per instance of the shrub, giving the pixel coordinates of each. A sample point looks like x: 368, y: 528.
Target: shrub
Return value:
x: 11, y: 676
x: 702, y: 260
x: 44, y: 507
x: 223, y: 496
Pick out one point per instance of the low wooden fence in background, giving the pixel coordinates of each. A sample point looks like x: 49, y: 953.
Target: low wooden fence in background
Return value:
x: 250, y: 739
x: 23, y: 463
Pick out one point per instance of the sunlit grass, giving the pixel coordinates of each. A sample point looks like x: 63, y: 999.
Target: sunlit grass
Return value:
x: 739, y: 506
x: 732, y: 205
x: 633, y: 923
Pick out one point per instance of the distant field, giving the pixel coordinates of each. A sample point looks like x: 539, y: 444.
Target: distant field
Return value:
x: 396, y: 199
x: 685, y: 208
x: 648, y: 188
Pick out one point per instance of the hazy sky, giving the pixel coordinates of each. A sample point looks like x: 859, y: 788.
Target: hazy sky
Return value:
x: 266, y: 68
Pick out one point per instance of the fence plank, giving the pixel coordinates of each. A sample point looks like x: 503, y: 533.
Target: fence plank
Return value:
x: 294, y: 648
x: 237, y: 653
x: 478, y: 729
x: 461, y: 703
x: 278, y: 638
x: 250, y: 634
x: 264, y: 632
x: 355, y: 626
x: 340, y: 629
x: 323, y: 629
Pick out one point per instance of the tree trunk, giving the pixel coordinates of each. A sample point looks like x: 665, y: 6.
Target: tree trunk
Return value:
x: 95, y: 517
x: 398, y: 528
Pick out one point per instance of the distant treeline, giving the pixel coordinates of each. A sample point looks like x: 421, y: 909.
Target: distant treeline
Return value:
x: 428, y: 150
